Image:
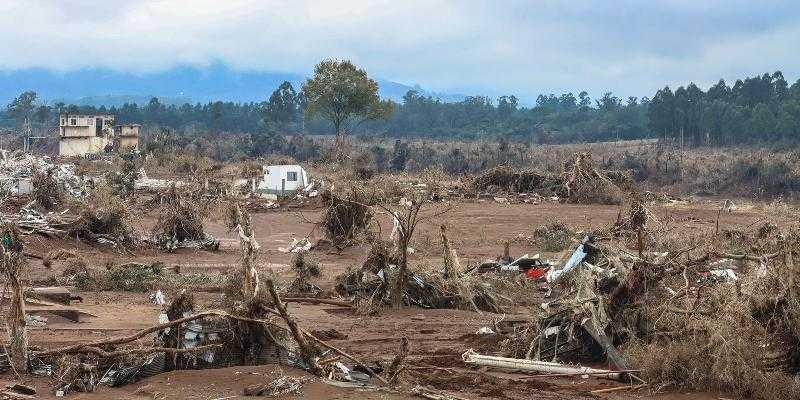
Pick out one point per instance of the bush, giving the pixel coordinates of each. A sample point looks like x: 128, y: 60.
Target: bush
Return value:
x: 131, y: 277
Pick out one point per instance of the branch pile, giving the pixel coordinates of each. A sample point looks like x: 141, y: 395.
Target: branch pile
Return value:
x: 580, y: 182
x: 345, y: 218
x: 180, y: 222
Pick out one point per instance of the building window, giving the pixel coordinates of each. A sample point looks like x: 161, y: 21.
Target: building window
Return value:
x: 63, y: 121
x: 291, y: 176
x: 73, y: 121
x: 91, y: 121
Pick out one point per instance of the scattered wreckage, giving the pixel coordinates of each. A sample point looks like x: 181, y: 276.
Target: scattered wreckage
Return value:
x: 661, y: 315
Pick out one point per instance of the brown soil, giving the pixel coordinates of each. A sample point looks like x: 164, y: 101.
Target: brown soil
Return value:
x: 437, y: 337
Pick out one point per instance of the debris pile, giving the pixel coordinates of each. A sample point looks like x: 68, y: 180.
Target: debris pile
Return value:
x: 282, y: 385
x: 180, y: 222
x: 304, y: 268
x: 704, y: 317
x: 46, y: 190
x: 18, y: 165
x: 514, y: 180
x: 369, y: 286
x: 104, y: 218
x: 345, y: 218
x: 580, y: 183
x: 584, y: 184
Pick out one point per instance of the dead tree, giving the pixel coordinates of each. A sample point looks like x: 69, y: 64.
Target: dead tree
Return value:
x: 450, y: 258
x: 12, y: 263
x: 407, y: 215
x: 407, y: 219
x: 249, y: 250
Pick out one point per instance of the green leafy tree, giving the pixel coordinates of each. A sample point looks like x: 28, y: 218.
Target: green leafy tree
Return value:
x: 22, y: 108
x: 343, y: 94
x: 281, y: 109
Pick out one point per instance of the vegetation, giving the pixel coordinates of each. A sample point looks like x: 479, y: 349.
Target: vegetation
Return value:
x: 340, y: 98
x: 341, y: 93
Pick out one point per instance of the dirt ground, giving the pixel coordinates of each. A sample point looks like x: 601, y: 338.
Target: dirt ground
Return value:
x: 478, y: 231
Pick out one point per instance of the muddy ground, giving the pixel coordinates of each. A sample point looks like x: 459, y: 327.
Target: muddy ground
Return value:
x: 438, y: 337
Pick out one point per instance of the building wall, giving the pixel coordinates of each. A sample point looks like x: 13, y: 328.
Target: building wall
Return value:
x: 128, y: 142
x: 82, y: 125
x: 77, y: 131
x: 128, y: 130
x: 70, y: 147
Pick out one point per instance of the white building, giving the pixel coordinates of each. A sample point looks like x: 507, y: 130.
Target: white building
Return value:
x: 280, y: 179
x: 84, y: 134
x: 80, y: 135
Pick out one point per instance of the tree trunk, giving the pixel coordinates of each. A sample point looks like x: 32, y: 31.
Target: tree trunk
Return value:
x: 400, y: 279
x: 308, y: 352
x: 248, y: 248
x: 339, y: 145
x: 451, y: 265
x: 15, y: 320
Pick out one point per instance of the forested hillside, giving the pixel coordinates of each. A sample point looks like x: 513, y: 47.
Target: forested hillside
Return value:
x: 762, y: 108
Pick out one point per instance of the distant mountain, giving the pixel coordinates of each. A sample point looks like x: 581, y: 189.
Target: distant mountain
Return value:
x: 174, y: 86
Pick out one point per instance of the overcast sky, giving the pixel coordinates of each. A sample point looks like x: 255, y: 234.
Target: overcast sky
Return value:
x: 471, y: 47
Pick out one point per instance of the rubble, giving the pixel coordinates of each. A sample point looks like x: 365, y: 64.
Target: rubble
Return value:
x: 297, y: 246
x: 370, y: 289
x: 22, y: 166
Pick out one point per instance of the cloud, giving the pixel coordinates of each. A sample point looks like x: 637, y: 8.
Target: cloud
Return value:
x: 491, y: 47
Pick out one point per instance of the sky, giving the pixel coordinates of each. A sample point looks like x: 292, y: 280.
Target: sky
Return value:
x: 493, y: 47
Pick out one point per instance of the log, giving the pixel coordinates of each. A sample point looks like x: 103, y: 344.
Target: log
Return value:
x: 618, y: 388
x: 470, y: 357
x: 602, y: 339
x: 307, y: 351
x: 313, y: 300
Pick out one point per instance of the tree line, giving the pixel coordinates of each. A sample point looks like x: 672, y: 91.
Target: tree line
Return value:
x: 340, y: 99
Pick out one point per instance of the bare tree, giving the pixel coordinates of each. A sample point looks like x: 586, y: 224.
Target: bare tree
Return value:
x: 408, y: 212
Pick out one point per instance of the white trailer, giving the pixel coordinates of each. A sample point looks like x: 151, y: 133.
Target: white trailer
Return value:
x: 282, y: 179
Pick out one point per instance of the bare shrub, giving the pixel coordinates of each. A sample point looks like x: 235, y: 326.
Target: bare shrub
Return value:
x: 554, y: 236
x: 46, y: 190
x: 104, y: 215
x: 180, y: 218
x: 345, y: 218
